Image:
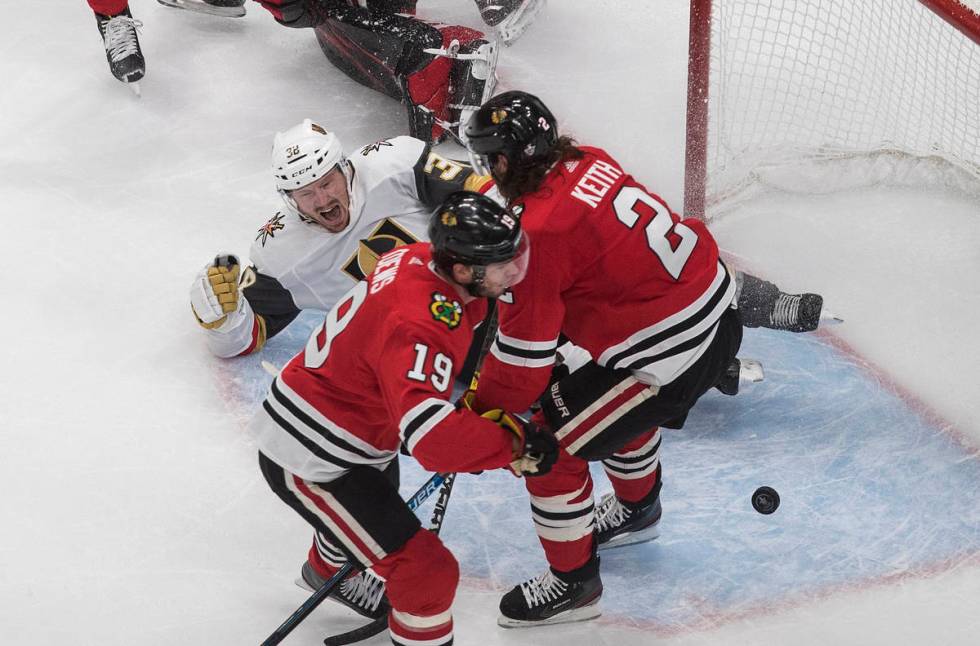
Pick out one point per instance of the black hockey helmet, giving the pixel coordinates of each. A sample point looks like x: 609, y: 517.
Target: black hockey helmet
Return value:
x: 474, y: 230
x: 514, y: 124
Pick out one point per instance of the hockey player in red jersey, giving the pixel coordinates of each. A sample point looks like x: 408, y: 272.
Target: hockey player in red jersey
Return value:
x: 442, y: 73
x: 376, y: 376
x: 647, y: 301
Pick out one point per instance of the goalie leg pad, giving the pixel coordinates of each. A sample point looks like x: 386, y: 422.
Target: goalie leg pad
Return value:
x: 376, y: 49
x: 435, y: 91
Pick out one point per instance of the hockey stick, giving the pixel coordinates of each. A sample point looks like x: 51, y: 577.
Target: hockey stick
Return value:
x: 317, y: 597
x: 378, y: 625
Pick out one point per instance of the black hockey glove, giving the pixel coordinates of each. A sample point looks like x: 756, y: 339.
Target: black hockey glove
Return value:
x: 540, y: 452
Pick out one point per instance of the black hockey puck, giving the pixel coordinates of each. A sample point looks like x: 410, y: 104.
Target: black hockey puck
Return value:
x: 765, y: 500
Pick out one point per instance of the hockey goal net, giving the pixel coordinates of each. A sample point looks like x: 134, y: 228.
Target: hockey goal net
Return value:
x: 817, y: 95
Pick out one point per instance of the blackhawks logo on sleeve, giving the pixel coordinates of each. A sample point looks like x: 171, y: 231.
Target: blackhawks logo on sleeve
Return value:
x: 445, y: 310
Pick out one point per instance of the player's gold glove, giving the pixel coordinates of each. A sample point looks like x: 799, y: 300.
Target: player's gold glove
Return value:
x: 214, y: 294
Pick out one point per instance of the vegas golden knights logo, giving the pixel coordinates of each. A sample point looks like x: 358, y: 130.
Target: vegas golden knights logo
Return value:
x: 385, y: 237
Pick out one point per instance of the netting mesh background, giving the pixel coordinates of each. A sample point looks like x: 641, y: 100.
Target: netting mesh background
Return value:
x: 796, y: 84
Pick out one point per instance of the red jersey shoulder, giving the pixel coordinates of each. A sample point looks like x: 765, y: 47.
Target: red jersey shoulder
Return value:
x: 418, y: 294
x: 575, y: 187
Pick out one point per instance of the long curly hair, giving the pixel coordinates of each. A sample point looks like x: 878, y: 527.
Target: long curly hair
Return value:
x: 526, y: 176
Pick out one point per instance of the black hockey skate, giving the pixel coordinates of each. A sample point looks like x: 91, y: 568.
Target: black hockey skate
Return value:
x: 364, y: 593
x: 619, y: 523
x: 737, y: 371
x: 553, y: 598
x: 226, y: 8
x: 122, y: 47
x: 510, y: 18
x: 762, y: 304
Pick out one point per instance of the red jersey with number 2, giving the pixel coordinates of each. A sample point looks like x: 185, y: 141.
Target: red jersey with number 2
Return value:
x: 616, y: 271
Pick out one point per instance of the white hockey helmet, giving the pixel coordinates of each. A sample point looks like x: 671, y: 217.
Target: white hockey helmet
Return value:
x: 303, y: 154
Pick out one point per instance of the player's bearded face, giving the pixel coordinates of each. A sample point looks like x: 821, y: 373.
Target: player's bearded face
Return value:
x: 325, y: 201
x: 498, y: 277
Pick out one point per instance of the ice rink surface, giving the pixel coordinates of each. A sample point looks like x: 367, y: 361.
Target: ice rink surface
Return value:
x: 133, y: 509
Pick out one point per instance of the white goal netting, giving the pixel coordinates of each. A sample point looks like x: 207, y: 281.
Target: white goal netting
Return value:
x: 818, y: 95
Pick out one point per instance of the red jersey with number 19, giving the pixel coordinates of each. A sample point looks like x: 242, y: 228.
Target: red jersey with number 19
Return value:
x: 379, y: 373
x: 616, y: 271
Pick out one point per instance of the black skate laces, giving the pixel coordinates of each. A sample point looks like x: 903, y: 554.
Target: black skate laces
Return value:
x: 363, y: 589
x: 786, y: 311
x: 120, y: 37
x: 542, y: 589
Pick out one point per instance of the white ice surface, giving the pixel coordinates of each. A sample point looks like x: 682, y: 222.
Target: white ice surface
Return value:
x: 133, y: 511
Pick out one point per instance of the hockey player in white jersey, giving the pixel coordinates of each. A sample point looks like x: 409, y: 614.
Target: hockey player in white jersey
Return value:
x: 340, y: 213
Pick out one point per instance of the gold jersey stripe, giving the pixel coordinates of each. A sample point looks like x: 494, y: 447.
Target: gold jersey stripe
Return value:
x: 476, y: 182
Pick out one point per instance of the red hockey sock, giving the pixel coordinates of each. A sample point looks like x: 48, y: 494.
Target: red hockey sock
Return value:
x: 634, y: 469
x: 108, y: 7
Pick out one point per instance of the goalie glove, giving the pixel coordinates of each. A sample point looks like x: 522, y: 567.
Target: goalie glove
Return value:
x: 535, y: 448
x: 215, y: 297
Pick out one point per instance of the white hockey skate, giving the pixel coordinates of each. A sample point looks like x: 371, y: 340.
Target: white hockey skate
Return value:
x: 225, y: 8
x: 510, y: 18
x: 472, y: 81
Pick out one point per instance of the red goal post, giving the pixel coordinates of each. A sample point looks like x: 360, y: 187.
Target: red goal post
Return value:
x: 802, y: 95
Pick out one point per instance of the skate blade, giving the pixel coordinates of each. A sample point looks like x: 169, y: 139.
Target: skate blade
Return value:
x: 827, y: 316
x: 134, y: 86
x: 224, y: 12
x: 514, y: 26
x: 750, y: 370
x: 585, y: 613
x: 632, y: 538
x: 303, y: 584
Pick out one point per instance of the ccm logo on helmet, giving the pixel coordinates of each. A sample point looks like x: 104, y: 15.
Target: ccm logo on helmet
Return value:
x: 301, y: 171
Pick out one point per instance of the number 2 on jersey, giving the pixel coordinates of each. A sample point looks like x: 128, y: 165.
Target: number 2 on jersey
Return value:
x: 660, y: 225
